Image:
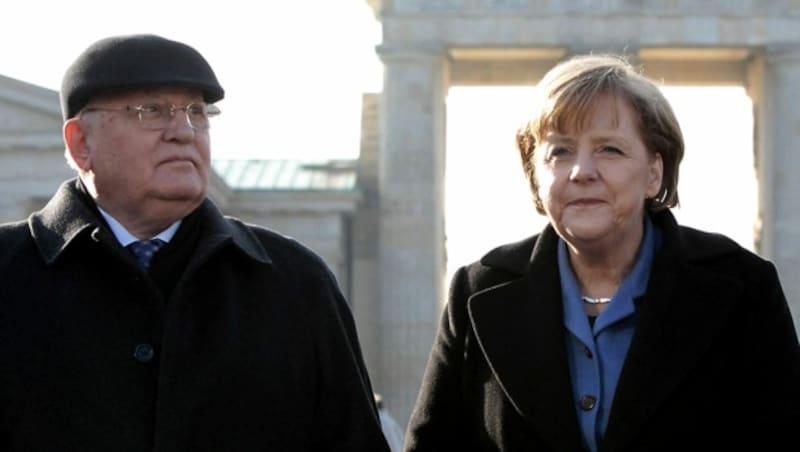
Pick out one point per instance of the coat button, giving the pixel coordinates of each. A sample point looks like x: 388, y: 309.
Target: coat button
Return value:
x: 588, y: 402
x: 587, y: 352
x: 144, y: 353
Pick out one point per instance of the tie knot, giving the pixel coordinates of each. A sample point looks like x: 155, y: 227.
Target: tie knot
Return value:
x: 144, y: 250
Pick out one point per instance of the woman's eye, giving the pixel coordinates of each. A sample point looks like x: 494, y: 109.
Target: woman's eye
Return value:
x: 558, y: 152
x: 611, y: 150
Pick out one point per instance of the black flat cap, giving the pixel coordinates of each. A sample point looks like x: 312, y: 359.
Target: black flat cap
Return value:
x: 135, y: 61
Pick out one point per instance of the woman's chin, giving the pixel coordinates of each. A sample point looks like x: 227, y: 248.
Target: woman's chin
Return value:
x: 586, y: 232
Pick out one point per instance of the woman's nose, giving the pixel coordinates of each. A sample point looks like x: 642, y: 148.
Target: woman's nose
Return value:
x: 584, y: 167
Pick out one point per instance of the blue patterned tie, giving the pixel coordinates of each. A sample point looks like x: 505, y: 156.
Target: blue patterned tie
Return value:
x: 144, y: 250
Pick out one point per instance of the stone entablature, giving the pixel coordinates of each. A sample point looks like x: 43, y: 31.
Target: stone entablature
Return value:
x: 724, y: 8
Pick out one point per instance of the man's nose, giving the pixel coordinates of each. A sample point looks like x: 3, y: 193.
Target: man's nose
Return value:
x: 180, y: 127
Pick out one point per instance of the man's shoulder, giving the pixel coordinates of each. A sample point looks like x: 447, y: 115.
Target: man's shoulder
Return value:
x: 280, y: 247
x: 13, y: 232
x: 15, y: 238
x: 291, y: 261
x: 267, y: 236
x: 13, y: 228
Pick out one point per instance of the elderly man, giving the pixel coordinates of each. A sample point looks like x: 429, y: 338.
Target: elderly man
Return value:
x: 134, y: 316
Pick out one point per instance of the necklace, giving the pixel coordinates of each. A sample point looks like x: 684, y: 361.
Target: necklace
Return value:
x: 591, y: 300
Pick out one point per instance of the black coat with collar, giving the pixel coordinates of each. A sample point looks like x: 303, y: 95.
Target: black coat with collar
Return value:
x: 253, y: 349
x: 714, y: 363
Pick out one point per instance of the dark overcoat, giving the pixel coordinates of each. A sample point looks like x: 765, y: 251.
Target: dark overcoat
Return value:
x: 251, y: 348
x: 714, y: 363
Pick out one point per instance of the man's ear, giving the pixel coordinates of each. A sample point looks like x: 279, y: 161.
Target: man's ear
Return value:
x: 75, y: 139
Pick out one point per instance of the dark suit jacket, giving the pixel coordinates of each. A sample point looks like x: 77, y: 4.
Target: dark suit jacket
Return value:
x: 254, y: 348
x: 714, y: 363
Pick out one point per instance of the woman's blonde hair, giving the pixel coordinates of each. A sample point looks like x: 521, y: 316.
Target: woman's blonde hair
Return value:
x: 567, y: 94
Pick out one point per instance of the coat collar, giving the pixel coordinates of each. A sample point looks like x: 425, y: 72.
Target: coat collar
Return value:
x: 71, y: 214
x: 520, y: 328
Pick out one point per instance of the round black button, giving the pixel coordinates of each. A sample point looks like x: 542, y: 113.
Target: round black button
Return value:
x: 588, y: 402
x: 144, y: 353
x: 587, y: 352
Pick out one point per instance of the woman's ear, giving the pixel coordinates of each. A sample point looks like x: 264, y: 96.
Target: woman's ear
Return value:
x: 656, y: 176
x: 75, y: 139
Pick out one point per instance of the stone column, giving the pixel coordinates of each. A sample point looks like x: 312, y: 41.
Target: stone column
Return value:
x: 411, y: 252
x: 777, y: 162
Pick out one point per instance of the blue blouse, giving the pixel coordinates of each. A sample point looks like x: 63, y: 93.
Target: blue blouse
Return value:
x: 596, y: 352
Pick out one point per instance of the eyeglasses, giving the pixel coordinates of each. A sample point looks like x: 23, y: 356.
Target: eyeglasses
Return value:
x: 159, y: 116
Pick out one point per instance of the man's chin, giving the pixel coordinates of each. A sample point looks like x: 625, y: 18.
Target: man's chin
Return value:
x: 187, y: 193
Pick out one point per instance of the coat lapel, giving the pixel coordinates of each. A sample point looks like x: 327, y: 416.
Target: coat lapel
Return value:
x: 66, y: 217
x: 684, y: 309
x: 520, y: 328
x: 219, y: 232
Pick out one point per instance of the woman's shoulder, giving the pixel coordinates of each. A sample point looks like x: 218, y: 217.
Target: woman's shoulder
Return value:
x: 501, y: 263
x: 700, y: 246
x: 704, y: 245
x: 513, y: 256
x: 720, y: 254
